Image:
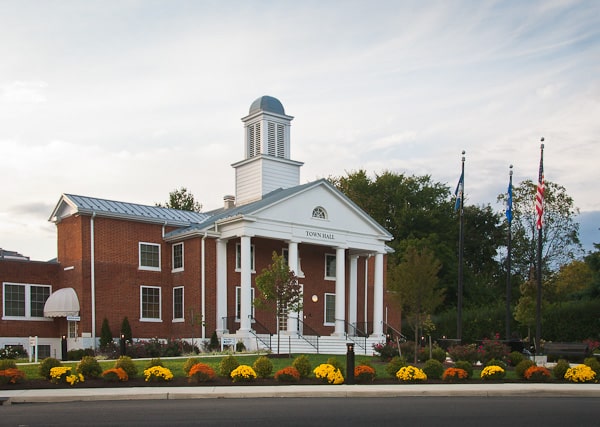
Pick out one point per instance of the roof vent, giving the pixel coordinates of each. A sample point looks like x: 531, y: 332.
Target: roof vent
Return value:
x: 229, y: 201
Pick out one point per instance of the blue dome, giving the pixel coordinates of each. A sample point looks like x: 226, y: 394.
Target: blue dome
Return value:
x: 267, y: 103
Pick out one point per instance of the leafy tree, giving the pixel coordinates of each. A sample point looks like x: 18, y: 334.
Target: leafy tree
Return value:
x: 106, y: 337
x: 413, y: 283
x: 560, y: 233
x: 183, y: 200
x: 279, y: 290
x: 571, y: 279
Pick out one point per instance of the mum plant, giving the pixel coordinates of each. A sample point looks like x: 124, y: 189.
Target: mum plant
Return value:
x: 411, y: 374
x: 581, y: 374
x: 115, y: 374
x: 11, y: 376
x: 63, y: 375
x: 364, y: 374
x: 288, y: 374
x: 157, y: 373
x: 329, y: 374
x: 243, y: 373
x: 201, y: 372
x: 493, y: 372
x: 537, y: 374
x: 453, y: 375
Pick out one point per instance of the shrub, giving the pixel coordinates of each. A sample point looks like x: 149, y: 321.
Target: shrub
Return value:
x: 201, y: 372
x: 537, y: 374
x: 453, y: 375
x: 492, y: 350
x: 227, y: 365
x: 302, y: 365
x: 410, y: 374
x: 463, y: 352
x: 106, y: 336
x: 239, y: 346
x: 11, y: 376
x: 394, y: 365
x: 364, y: 374
x: 329, y: 374
x: 333, y: 361
x: 288, y: 374
x: 125, y: 363
x: 126, y: 330
x: 7, y: 364
x: 433, y: 369
x: 158, y: 373
x: 13, y: 352
x: 46, y: 365
x: 560, y: 369
x: 263, y: 367
x: 465, y: 366
x: 155, y: 362
x: 115, y: 374
x: 62, y: 374
x: 386, y: 350
x: 214, y: 344
x: 581, y: 374
x: 243, y: 373
x: 515, y: 357
x: 522, y: 367
x: 493, y: 372
x: 191, y: 361
x: 438, y: 354
x: 593, y: 363
x: 89, y: 367
x: 496, y: 362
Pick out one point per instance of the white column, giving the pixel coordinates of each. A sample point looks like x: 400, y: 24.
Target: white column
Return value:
x: 353, y: 291
x: 292, y: 323
x: 340, y: 291
x: 378, y: 297
x: 221, y: 286
x: 246, y: 285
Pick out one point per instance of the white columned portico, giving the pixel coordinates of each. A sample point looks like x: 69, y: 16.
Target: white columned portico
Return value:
x: 340, y: 292
x: 353, y: 291
x: 221, y: 286
x: 378, y: 296
x: 292, y: 323
x: 245, y: 284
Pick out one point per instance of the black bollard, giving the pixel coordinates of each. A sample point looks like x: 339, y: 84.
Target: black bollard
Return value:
x: 63, y: 347
x: 350, y: 363
x: 122, y: 344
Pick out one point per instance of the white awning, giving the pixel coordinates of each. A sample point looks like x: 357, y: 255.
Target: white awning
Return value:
x: 62, y: 303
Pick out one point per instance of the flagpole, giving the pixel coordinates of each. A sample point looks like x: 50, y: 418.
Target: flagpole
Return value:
x: 461, y: 243
x: 540, y: 210
x: 508, y: 250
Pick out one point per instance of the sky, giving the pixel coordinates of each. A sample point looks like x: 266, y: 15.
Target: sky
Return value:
x: 128, y: 100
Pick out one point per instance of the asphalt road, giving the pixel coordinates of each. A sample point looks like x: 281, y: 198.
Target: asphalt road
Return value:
x: 330, y: 412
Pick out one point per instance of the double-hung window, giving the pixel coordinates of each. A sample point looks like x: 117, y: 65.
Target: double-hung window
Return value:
x: 238, y: 257
x: 150, y: 304
x: 177, y: 257
x: 178, y: 304
x: 329, y: 309
x: 238, y: 303
x: 24, y: 301
x: 149, y: 256
x: 330, y: 263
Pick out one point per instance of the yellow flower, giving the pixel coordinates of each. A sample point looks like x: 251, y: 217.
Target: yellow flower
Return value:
x: 158, y: 373
x: 63, y: 374
x: 243, y: 373
x: 411, y: 373
x: 581, y: 374
x: 329, y: 373
x: 492, y: 372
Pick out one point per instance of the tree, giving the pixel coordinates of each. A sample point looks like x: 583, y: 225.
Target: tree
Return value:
x: 126, y: 330
x: 560, y: 233
x: 106, y: 337
x: 183, y: 200
x: 570, y: 280
x: 413, y: 283
x: 279, y: 290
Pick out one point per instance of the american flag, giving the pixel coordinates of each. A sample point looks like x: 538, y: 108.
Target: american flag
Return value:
x: 539, y: 195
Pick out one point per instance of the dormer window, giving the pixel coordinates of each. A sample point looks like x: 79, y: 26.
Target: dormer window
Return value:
x: 319, y: 212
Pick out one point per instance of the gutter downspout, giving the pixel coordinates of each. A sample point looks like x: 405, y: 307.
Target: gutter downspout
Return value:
x: 93, y: 279
x: 203, y: 285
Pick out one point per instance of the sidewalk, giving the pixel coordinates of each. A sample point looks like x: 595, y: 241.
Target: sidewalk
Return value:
x: 8, y: 397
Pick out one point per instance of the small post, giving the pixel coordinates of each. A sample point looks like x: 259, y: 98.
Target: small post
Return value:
x: 350, y: 363
x: 63, y: 345
x: 123, y: 345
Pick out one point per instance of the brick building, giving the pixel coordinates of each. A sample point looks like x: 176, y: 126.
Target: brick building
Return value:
x: 182, y: 274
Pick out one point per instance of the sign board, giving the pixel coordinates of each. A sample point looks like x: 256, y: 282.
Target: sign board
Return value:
x: 228, y: 341
x: 73, y: 318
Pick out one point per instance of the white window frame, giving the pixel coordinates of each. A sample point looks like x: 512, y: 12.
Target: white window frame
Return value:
x: 329, y: 257
x: 238, y: 303
x: 28, y: 287
x: 150, y: 319
x: 182, y: 318
x: 148, y: 267
x: 329, y: 298
x: 319, y: 212
x: 238, y: 258
x: 176, y: 269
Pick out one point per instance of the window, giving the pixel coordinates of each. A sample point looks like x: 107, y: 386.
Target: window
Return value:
x: 238, y: 303
x: 178, y: 257
x: 24, y: 301
x: 329, y: 309
x: 150, y: 308
x: 319, y: 212
x: 43, y: 351
x: 238, y: 257
x: 178, y: 303
x: 149, y: 256
x: 330, y: 264
x: 72, y: 327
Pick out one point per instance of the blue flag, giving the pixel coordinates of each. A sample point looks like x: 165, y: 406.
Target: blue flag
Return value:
x: 458, y: 193
x: 509, y: 213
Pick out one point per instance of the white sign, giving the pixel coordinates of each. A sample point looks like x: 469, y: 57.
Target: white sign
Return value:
x: 73, y: 318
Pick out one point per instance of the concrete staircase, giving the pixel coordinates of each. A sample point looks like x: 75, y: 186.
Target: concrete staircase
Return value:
x: 293, y: 344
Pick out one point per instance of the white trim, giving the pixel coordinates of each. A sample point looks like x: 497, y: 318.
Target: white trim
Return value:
x: 325, y: 322
x: 177, y: 269
x: 151, y: 319
x: 182, y: 318
x: 145, y: 267
x: 27, y: 316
